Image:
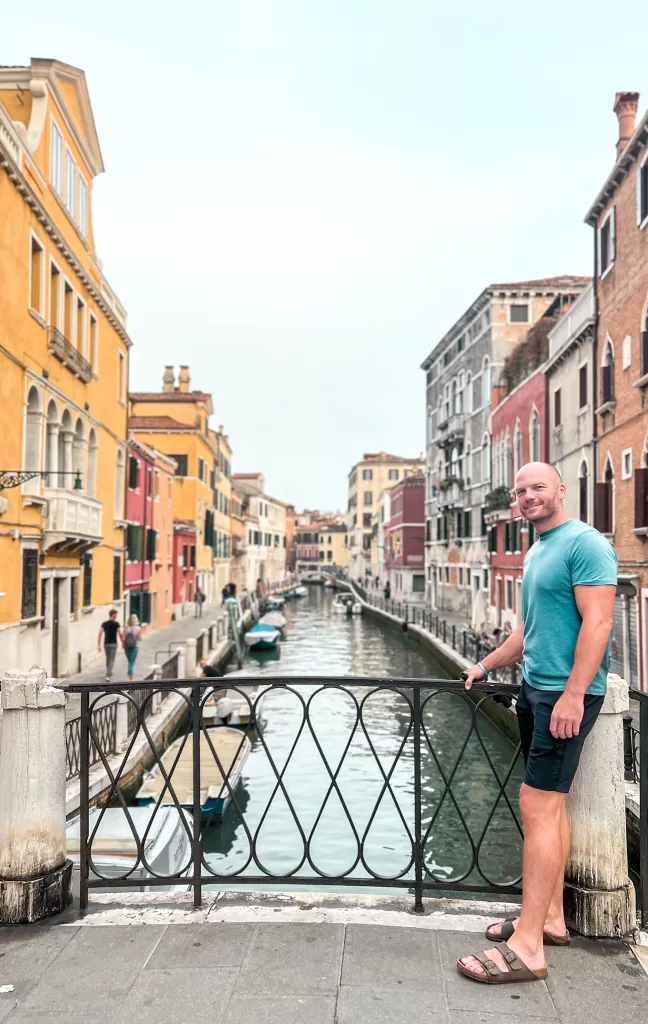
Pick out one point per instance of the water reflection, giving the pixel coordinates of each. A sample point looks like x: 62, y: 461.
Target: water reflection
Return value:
x: 358, y: 816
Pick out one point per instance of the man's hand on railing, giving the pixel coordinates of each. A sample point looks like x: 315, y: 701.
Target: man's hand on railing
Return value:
x: 473, y: 675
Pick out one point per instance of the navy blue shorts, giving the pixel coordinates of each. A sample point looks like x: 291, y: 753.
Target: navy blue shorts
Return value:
x: 550, y: 764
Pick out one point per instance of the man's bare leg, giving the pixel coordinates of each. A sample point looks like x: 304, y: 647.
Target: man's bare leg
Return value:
x: 544, y: 865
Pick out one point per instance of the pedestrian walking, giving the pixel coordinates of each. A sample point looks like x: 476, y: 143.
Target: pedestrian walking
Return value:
x: 568, y: 589
x: 387, y: 591
x: 109, y: 631
x: 200, y: 598
x: 130, y: 638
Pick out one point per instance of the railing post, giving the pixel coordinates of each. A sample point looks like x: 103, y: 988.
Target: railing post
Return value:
x: 213, y: 635
x: 628, y: 750
x: 454, y: 637
x: 445, y: 629
x: 418, y: 796
x: 35, y: 876
x: 121, y: 723
x: 156, y: 699
x: 182, y: 662
x: 190, y: 665
x: 643, y: 810
x: 599, y: 896
x: 197, y: 829
x: 465, y: 638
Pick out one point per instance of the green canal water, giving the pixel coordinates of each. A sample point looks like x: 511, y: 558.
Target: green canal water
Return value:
x: 318, y: 642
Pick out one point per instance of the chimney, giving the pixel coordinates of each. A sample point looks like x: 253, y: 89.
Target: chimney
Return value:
x: 183, y: 379
x: 625, y: 108
x: 168, y: 380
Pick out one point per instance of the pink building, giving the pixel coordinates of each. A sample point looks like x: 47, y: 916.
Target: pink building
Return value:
x: 405, y: 540
x: 519, y: 432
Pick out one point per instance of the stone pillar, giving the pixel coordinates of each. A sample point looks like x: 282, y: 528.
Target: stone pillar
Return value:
x: 156, y: 699
x: 67, y: 481
x: 213, y: 632
x: 599, y: 896
x: 190, y: 663
x: 182, y: 662
x: 35, y: 876
x: 121, y: 724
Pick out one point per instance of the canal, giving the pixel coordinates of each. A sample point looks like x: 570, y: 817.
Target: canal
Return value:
x: 319, y: 642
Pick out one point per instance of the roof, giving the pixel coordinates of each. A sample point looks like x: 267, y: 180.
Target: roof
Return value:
x: 384, y: 457
x: 169, y: 396
x: 246, y: 476
x: 566, y: 281
x: 621, y: 168
x: 152, y: 453
x: 159, y: 423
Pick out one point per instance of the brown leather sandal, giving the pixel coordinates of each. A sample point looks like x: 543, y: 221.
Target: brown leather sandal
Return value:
x: 517, y: 970
x: 508, y: 929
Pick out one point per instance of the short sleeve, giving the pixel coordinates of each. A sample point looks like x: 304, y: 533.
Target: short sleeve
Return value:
x: 593, y: 561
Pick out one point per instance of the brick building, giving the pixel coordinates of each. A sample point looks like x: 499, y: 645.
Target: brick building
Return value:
x: 520, y: 435
x: 405, y: 540
x: 619, y: 216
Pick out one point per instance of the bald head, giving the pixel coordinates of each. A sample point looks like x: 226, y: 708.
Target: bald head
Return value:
x: 540, y: 492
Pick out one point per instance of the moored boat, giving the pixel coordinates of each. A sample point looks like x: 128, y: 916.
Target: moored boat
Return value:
x: 301, y: 591
x: 261, y: 637
x: 233, y: 709
x: 215, y: 794
x: 274, y: 619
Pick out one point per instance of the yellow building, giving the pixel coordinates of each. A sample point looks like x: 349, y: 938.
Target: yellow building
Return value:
x: 222, y: 497
x: 176, y: 422
x: 368, y: 478
x: 63, y: 378
x: 333, y: 552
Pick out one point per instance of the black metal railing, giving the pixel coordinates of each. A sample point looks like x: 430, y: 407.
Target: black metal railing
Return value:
x: 440, y: 788
x: 104, y: 726
x: 60, y: 347
x: 139, y: 698
x: 635, y: 748
x: 170, y: 666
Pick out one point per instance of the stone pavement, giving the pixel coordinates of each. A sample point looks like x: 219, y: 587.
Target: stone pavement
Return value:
x: 303, y: 973
x: 153, y: 642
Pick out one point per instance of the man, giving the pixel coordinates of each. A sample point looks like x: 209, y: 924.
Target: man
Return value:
x: 200, y: 597
x: 109, y: 630
x: 208, y: 670
x: 568, y: 591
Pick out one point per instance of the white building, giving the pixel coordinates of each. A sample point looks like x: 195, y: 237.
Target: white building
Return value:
x: 265, y: 532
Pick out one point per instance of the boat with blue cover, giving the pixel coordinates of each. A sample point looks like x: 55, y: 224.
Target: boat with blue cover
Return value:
x: 262, y: 636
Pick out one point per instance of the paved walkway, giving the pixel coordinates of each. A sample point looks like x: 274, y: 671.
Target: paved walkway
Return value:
x: 153, y: 643
x: 310, y: 973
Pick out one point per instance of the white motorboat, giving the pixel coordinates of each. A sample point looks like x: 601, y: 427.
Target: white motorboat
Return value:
x: 274, y: 619
x: 261, y: 637
x: 231, y: 708
x: 113, y: 850
x: 301, y: 591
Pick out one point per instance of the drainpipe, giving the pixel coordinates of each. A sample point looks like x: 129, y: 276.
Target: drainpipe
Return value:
x: 595, y: 379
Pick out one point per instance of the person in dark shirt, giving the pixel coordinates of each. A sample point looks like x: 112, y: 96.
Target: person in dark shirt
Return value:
x: 208, y: 670
x: 110, y: 632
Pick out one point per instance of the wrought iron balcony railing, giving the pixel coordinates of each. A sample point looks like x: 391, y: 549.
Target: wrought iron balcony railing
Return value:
x: 60, y: 347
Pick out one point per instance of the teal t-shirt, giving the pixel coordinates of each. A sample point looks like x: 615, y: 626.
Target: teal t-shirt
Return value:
x: 571, y: 555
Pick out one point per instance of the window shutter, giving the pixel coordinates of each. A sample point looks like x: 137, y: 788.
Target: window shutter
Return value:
x: 641, y: 497
x: 643, y: 352
x: 582, y: 381
x: 557, y: 408
x: 602, y: 505
x: 613, y: 235
x: 146, y: 607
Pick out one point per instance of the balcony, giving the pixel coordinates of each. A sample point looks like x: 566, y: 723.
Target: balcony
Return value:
x: 73, y: 523
x: 450, y: 430
x: 498, y: 499
x: 451, y: 493
x: 571, y: 326
x: 60, y: 347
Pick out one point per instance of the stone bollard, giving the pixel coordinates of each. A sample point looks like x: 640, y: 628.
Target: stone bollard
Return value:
x: 190, y: 664
x: 35, y: 876
x: 599, y: 896
x: 213, y: 634
x: 121, y: 723
x: 156, y: 699
x: 182, y: 662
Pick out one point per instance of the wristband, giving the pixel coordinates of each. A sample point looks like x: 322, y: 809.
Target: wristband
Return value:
x: 479, y: 665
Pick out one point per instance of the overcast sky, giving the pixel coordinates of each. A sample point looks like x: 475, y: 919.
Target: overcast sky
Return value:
x: 301, y: 197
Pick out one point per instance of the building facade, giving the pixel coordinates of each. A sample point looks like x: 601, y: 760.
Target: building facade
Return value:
x: 265, y: 525
x: 405, y: 540
x: 470, y: 365
x: 185, y: 543
x: 333, y: 551
x: 64, y: 353
x: 238, y: 574
x: 367, y: 480
x: 222, y: 495
x: 176, y: 422
x: 307, y: 548
x: 619, y: 217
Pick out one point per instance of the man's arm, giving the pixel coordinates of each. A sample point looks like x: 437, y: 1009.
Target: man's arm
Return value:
x: 596, y: 607
x: 508, y: 654
x: 99, y: 638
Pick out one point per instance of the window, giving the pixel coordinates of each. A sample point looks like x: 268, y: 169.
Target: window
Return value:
x: 582, y: 493
x: 643, y: 348
x: 366, y: 542
x: 366, y: 520
x: 119, y: 484
x: 81, y: 326
x: 517, y: 450
x: 36, y: 276
x: 91, y: 479
x: 86, y: 562
x: 486, y: 382
x: 368, y: 497
x: 182, y: 461
x: 29, y: 583
x: 393, y: 474
x: 68, y: 310
x: 607, y: 242
x: 461, y: 576
x: 455, y: 398
x: 151, y: 545
x: 117, y: 578
x: 121, y: 379
x: 607, y: 373
x: 74, y: 594
x: 642, y: 192
x: 626, y: 464
x: 201, y: 468
x: 520, y: 313
x: 509, y: 594
x: 134, y: 543
x: 582, y: 387
x: 192, y: 556
x: 56, y: 149
x: 133, y: 473
x: 70, y: 181
x: 557, y: 419
x: 492, y: 539
x: 641, y: 499
x: 605, y: 501
x: 517, y: 536
x: 467, y: 523
x: 485, y: 458
x: 55, y: 294
x: 535, y: 437
x: 83, y: 207
x: 367, y: 474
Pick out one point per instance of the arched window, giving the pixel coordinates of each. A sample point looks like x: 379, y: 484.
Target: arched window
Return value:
x: 517, y: 461
x: 460, y: 393
x: 468, y: 464
x: 33, y: 427
x: 78, y: 455
x: 65, y: 437
x: 486, y: 458
x: 468, y: 395
x: 119, y: 484
x: 486, y: 382
x: 51, y: 445
x: 508, y: 461
x: 534, y: 435
x: 455, y: 398
x: 607, y: 372
x: 91, y: 482
x: 582, y: 492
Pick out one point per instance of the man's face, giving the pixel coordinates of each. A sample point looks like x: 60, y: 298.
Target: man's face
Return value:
x: 539, y: 492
